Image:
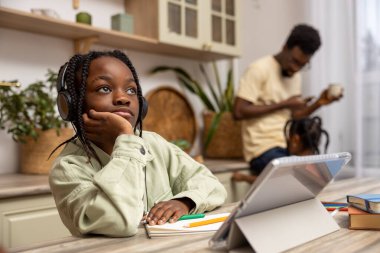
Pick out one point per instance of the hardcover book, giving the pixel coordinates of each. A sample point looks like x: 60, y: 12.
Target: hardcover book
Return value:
x: 367, y: 202
x: 359, y: 219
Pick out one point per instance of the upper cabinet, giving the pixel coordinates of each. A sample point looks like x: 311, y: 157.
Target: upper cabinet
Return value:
x: 208, y: 26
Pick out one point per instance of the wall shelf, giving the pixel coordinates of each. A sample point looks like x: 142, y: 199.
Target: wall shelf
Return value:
x: 84, y: 36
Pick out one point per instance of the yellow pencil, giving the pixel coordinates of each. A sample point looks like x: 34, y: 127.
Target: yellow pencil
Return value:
x: 206, y: 222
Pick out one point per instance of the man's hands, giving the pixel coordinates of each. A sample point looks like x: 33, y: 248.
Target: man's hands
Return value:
x: 324, y: 99
x: 296, y: 102
x: 170, y: 210
x: 103, y: 128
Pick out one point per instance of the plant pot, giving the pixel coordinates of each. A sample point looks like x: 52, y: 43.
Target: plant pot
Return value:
x: 227, y: 142
x: 35, y: 153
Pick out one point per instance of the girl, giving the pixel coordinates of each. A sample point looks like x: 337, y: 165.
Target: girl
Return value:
x: 112, y: 171
x: 302, y: 137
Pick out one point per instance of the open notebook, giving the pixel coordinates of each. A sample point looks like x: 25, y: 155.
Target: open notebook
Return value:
x: 180, y: 227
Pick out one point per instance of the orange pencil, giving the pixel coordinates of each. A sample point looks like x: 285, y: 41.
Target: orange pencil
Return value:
x: 206, y: 222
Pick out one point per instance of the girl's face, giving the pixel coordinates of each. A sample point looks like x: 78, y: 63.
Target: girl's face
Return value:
x: 112, y: 88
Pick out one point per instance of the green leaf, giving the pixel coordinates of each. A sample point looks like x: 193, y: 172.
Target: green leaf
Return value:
x: 217, y: 78
x: 185, y: 80
x: 24, y: 110
x: 201, y: 94
x: 229, y: 92
x: 216, y: 100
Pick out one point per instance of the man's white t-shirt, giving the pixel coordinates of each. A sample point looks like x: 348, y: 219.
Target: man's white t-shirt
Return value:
x: 263, y: 84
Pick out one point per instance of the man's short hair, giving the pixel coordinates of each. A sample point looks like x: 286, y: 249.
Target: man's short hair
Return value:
x: 305, y: 37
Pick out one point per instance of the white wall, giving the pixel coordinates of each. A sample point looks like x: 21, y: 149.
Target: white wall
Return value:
x: 265, y: 26
x: 26, y: 56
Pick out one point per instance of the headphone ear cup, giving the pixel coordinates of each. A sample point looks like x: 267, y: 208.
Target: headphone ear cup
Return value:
x: 144, y: 110
x: 64, y: 101
x: 64, y: 105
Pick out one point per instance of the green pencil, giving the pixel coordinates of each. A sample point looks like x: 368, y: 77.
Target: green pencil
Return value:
x: 192, y: 216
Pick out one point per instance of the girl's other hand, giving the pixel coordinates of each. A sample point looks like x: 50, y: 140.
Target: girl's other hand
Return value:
x: 170, y: 210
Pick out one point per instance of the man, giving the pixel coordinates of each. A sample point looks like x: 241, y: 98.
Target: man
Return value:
x: 270, y: 94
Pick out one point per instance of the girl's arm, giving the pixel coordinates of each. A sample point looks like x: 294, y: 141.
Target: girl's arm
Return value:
x: 108, y: 200
x: 189, y: 180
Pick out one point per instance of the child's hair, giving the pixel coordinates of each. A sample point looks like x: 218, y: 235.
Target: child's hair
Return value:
x: 75, y: 80
x: 310, y: 131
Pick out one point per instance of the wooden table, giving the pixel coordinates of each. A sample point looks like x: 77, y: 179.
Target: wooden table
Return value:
x: 343, y: 240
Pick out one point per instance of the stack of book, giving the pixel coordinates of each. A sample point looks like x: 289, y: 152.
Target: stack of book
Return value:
x: 364, y: 211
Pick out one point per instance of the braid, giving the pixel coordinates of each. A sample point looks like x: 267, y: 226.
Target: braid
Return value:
x: 79, y: 119
x: 312, y: 138
x: 310, y: 131
x: 76, y: 87
x: 72, y: 67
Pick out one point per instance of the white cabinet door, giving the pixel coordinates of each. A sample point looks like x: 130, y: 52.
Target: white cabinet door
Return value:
x: 28, y: 220
x: 224, y: 23
x: 180, y: 22
x: 236, y: 191
x: 208, y: 25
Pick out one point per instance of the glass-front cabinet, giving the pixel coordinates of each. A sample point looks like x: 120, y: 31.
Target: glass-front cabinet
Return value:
x: 210, y: 25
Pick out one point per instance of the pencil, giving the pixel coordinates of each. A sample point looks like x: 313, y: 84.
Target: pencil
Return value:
x: 206, y: 222
x: 192, y: 216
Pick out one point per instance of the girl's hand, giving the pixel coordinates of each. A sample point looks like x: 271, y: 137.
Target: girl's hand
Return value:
x: 105, y: 127
x: 170, y: 211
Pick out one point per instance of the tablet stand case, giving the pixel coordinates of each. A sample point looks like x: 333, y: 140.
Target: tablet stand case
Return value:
x: 282, y: 228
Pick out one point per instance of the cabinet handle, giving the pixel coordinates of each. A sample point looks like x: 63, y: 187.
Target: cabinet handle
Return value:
x: 207, y: 46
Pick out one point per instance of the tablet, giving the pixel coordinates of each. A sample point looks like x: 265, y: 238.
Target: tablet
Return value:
x: 284, y: 181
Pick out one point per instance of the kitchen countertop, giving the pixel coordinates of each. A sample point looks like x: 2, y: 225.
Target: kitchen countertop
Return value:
x: 18, y: 185
x: 344, y: 240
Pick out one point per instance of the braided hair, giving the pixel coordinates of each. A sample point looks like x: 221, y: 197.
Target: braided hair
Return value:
x: 76, y: 79
x: 310, y: 131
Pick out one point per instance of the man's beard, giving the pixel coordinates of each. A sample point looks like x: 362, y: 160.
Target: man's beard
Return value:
x: 285, y: 73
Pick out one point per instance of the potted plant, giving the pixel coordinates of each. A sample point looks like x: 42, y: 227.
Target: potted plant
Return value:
x: 222, y: 135
x: 29, y: 115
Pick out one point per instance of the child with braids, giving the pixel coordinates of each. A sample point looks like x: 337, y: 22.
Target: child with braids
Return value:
x: 112, y: 172
x: 303, y: 137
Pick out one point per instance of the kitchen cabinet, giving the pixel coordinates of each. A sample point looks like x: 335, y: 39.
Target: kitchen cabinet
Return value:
x: 223, y: 169
x: 208, y: 26
x: 236, y: 191
x: 25, y: 220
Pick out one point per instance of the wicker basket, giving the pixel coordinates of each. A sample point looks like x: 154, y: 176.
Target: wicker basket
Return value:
x: 35, y: 154
x: 171, y: 115
x: 226, y: 143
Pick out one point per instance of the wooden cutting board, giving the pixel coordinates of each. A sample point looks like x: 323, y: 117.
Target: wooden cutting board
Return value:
x: 170, y: 115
